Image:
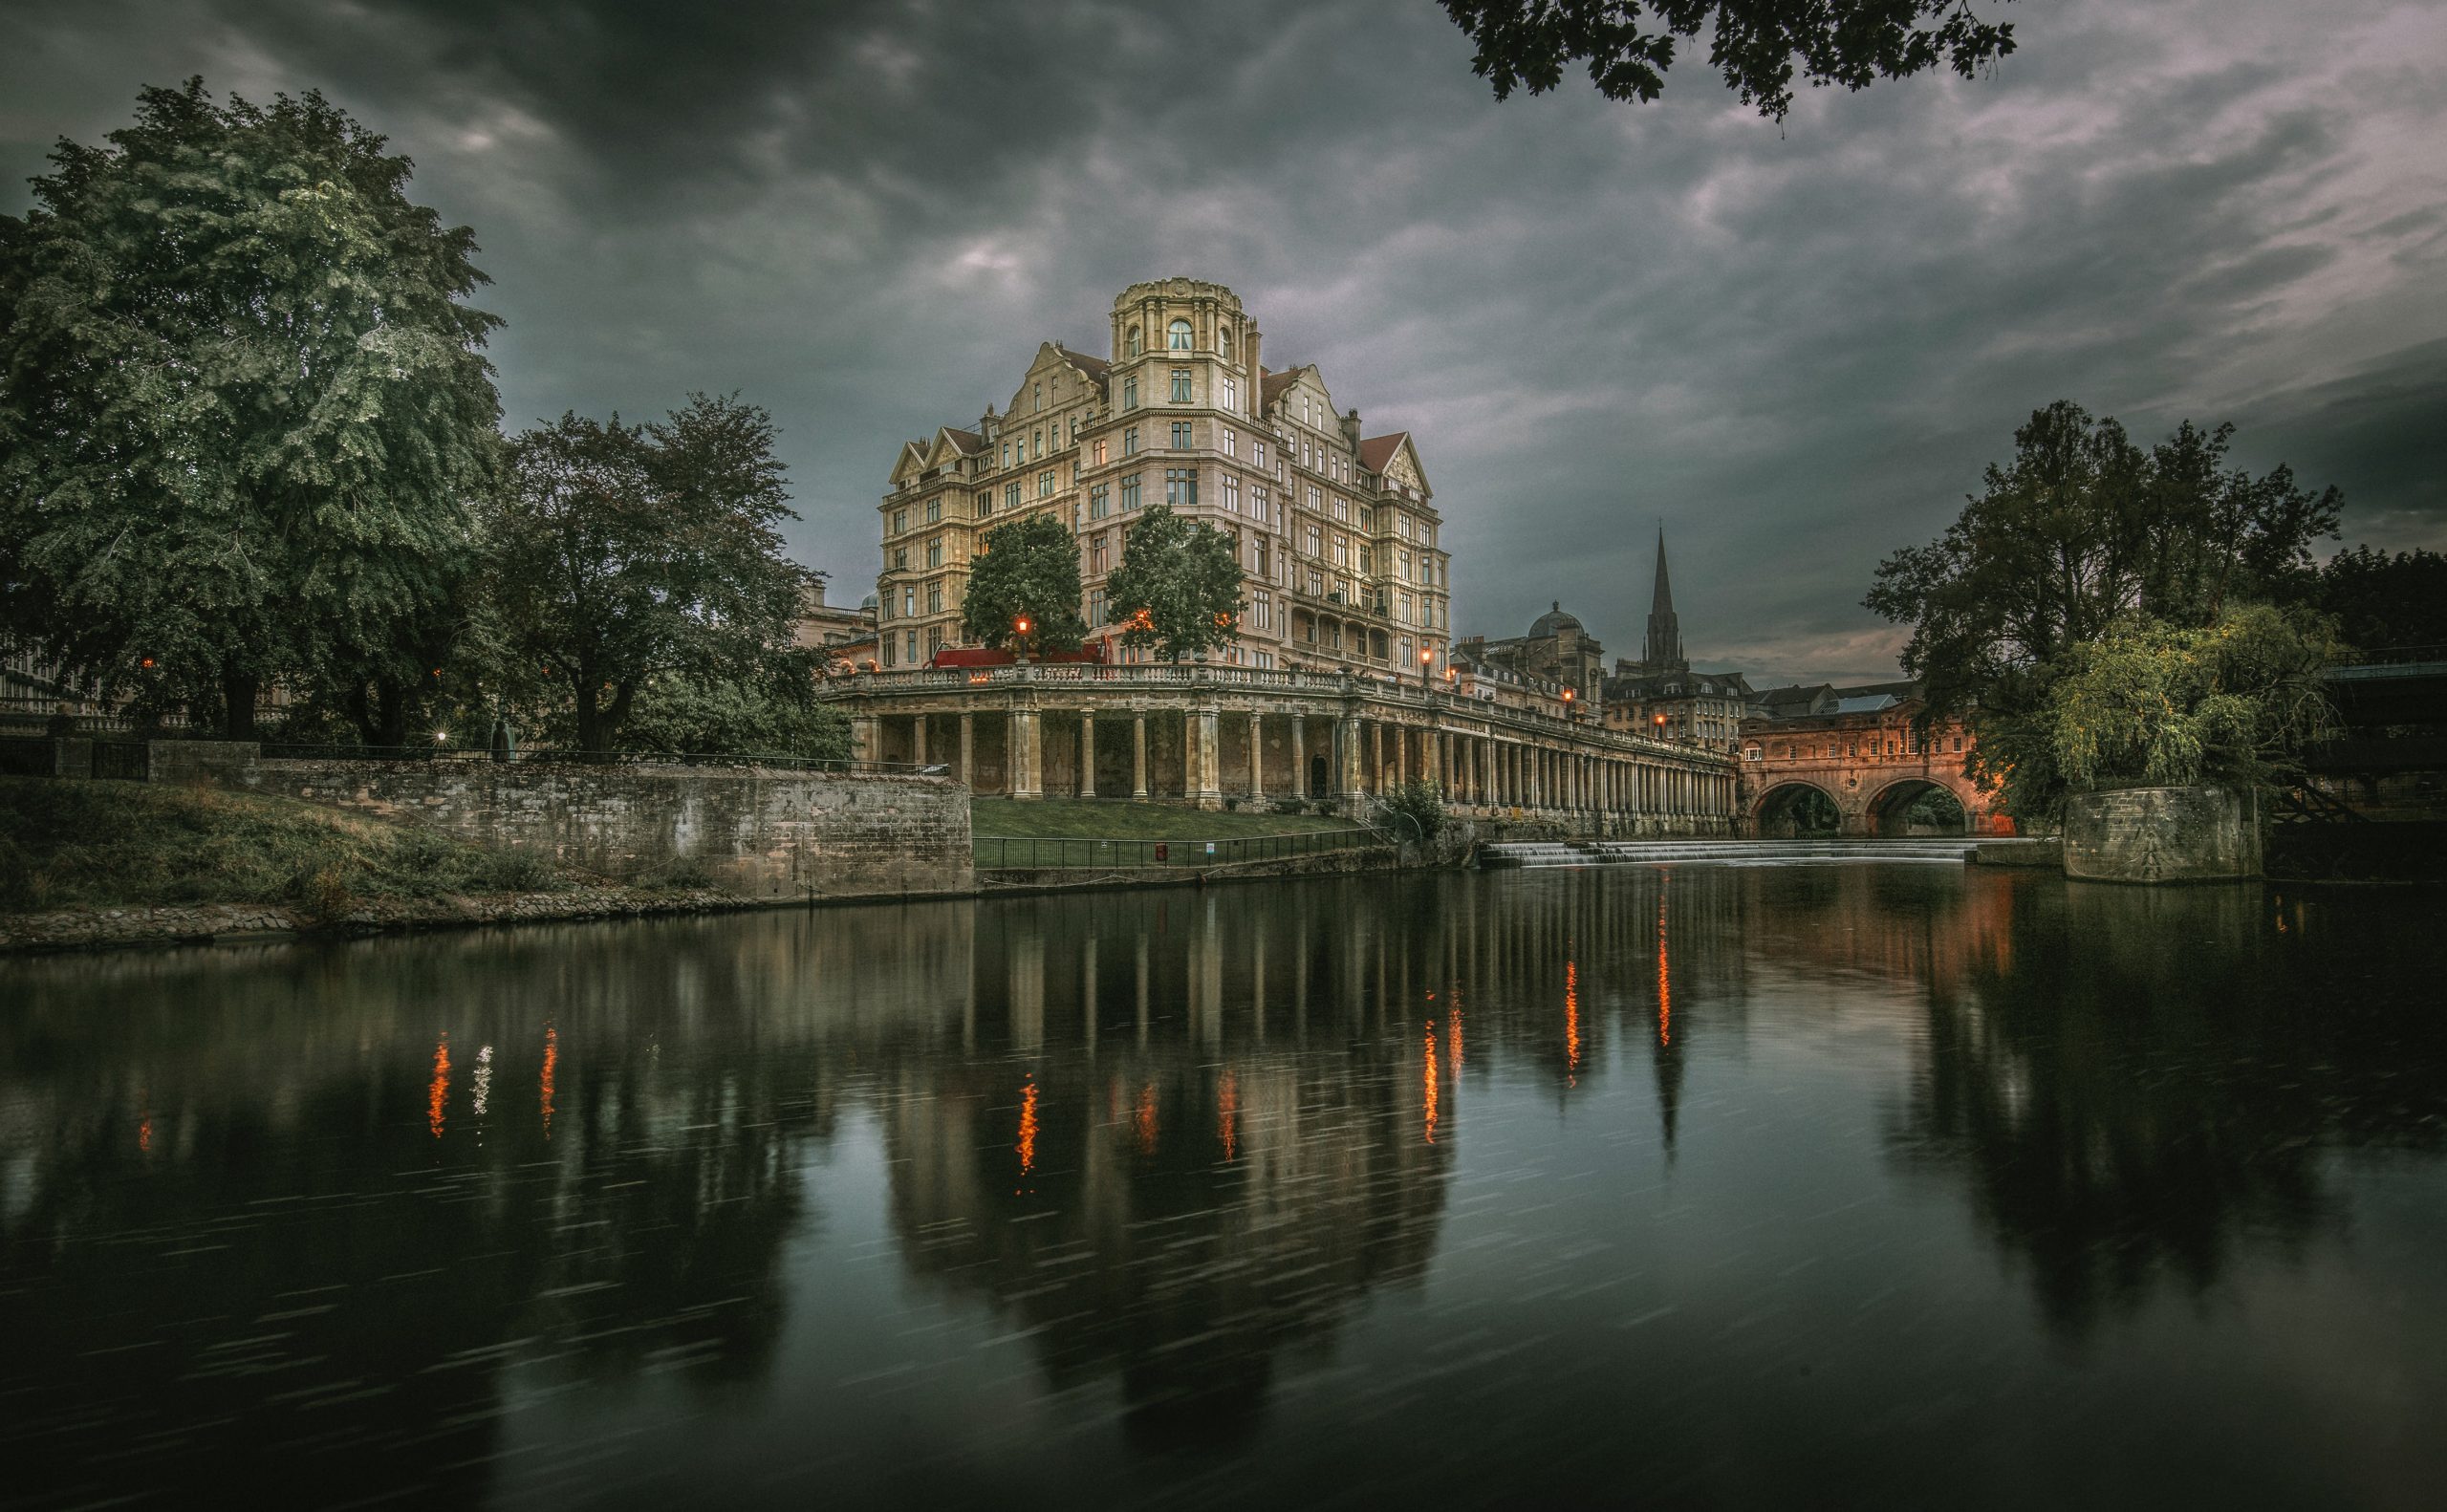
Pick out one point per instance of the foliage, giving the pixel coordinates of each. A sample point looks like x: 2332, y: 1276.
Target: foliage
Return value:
x: 772, y: 711
x: 242, y: 409
x: 626, y: 552
x: 67, y: 843
x: 2081, y: 530
x: 1630, y: 44
x: 1177, y: 587
x: 1030, y: 571
x: 2149, y: 703
x: 2380, y: 601
x: 1418, y: 807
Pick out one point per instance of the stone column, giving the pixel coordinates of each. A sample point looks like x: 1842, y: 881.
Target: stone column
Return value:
x: 1375, y: 755
x: 1257, y: 756
x: 1026, y: 755
x: 1300, y: 756
x: 1087, y: 753
x: 1138, y: 757
x: 1347, y: 757
x: 1202, y: 758
x: 918, y: 739
x: 866, y: 738
x: 968, y: 749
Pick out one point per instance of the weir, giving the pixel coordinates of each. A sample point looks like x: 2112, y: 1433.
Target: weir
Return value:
x: 1953, y: 850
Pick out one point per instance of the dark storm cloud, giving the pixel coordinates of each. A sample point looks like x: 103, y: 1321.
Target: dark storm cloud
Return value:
x: 1796, y: 349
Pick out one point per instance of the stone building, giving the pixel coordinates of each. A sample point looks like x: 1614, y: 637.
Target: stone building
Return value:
x: 847, y: 636
x: 1863, y: 750
x: 1660, y: 695
x: 1558, y: 650
x: 1337, y: 684
x: 1336, y: 530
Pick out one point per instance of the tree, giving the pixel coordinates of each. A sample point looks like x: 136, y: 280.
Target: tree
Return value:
x: 244, y: 413
x: 771, y: 709
x: 2382, y: 601
x: 625, y: 552
x: 1028, y: 574
x: 1629, y: 44
x: 1177, y: 587
x: 2081, y: 529
x: 2151, y: 704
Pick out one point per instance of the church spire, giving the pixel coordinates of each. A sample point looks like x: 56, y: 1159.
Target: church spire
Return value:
x: 1663, y: 648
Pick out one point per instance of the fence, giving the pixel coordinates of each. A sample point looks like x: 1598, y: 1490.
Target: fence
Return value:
x: 42, y: 756
x: 1075, y: 852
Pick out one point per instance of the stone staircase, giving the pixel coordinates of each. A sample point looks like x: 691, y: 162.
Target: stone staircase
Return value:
x: 1949, y: 849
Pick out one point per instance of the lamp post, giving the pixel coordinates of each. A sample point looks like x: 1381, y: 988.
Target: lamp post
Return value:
x: 1020, y: 641
x: 1426, y: 657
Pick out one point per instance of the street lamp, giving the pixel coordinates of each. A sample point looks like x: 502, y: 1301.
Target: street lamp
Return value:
x: 1571, y: 694
x: 1020, y: 627
x: 1426, y: 656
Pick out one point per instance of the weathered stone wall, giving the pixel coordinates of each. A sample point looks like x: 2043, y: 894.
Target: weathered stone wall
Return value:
x: 227, y: 764
x: 752, y: 833
x: 2162, y: 834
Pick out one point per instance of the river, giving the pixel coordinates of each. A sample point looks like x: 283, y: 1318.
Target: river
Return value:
x: 1805, y: 1185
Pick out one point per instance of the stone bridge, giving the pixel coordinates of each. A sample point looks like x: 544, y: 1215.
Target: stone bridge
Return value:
x: 1869, y: 766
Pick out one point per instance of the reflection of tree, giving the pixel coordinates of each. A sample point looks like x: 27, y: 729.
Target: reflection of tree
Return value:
x: 2128, y: 1099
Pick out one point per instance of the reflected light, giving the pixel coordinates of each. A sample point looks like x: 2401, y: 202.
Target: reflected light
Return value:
x: 437, y: 1094
x: 1664, y: 988
x: 484, y: 1086
x: 1227, y: 1115
x: 1026, y: 1147
x: 1571, y: 1019
x: 1453, y: 1042
x: 1427, y: 1085
x: 145, y: 1134
x: 543, y: 1083
x: 1142, y: 1119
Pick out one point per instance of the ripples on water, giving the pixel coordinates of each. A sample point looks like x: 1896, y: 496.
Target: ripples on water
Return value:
x: 1793, y: 1185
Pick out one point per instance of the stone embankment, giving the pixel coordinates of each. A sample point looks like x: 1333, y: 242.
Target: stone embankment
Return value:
x: 100, y: 928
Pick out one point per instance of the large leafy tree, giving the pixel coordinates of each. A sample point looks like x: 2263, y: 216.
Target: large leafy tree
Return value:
x: 2083, y: 531
x: 1758, y: 45
x: 244, y: 410
x: 1177, y: 587
x: 2383, y: 601
x: 626, y: 552
x: 1030, y: 574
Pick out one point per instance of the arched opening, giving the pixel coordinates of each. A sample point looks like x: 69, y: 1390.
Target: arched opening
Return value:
x: 1916, y: 807
x: 1798, y: 811
x: 1316, y: 778
x: 1177, y: 335
x: 1129, y: 343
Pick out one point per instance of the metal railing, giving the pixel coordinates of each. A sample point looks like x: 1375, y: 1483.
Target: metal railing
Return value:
x: 1079, y: 852
x: 546, y: 755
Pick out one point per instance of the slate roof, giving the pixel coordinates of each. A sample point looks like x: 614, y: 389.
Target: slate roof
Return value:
x: 1375, y: 451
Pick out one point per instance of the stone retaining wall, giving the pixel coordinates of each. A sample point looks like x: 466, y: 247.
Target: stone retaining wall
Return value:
x: 2162, y: 834
x: 751, y: 831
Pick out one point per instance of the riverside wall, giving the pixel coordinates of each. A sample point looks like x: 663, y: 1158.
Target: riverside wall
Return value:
x: 752, y: 832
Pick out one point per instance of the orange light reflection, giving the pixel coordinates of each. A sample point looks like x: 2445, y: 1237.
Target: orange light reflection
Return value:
x: 1027, y: 1127
x: 552, y: 1058
x: 1227, y: 1115
x: 1142, y: 1119
x: 1571, y: 1018
x: 437, y: 1094
x: 1664, y: 987
x: 1427, y: 1085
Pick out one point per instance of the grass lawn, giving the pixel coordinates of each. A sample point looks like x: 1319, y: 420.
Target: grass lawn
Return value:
x: 1102, y: 819
x: 65, y: 843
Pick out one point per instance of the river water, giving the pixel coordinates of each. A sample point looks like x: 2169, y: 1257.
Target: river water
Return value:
x: 1873, y: 1183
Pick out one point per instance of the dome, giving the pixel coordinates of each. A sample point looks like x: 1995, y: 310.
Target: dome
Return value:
x: 868, y: 602
x: 1554, y: 621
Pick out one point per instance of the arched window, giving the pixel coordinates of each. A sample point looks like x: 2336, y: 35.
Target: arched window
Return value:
x: 1130, y: 342
x: 1177, y: 335
x: 1223, y: 340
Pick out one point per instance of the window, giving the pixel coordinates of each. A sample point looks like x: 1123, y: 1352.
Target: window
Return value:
x: 1045, y: 483
x: 1181, y: 435
x: 1402, y: 607
x: 1317, y: 583
x: 1223, y: 339
x: 1181, y: 486
x: 1177, y: 335
x: 1342, y: 550
x: 1265, y: 659
x: 1130, y: 393
x: 1257, y: 453
x: 1074, y: 430
x: 1130, y: 440
x: 1232, y: 493
x: 1099, y: 501
x: 1261, y: 502
x: 899, y: 521
x: 912, y: 648
x: 1261, y: 558
x: 1229, y: 440
x: 934, y: 640
x: 1130, y: 342
x: 1007, y: 454
x: 1010, y: 496
x: 934, y: 598
x: 1097, y: 602
x: 1130, y: 493
x: 984, y: 503
x: 1315, y: 550
x: 1040, y: 396
x: 909, y: 607
x: 1036, y: 442
x: 1096, y: 550
x: 1405, y: 571
x: 901, y: 559
x: 1231, y: 392
x: 1367, y: 518
x: 1262, y: 607
x: 1367, y: 560
x: 888, y: 651
x: 1401, y: 525
x: 1180, y: 385
x: 935, y: 552
x: 1100, y: 451
x: 934, y: 511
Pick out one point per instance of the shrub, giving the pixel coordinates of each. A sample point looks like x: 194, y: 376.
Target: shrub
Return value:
x: 1416, y: 807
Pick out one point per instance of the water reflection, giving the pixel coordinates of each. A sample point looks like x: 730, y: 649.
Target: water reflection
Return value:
x: 1186, y: 1149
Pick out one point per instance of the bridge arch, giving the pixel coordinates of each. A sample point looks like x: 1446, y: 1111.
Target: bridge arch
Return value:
x: 1888, y: 811
x: 1793, y: 807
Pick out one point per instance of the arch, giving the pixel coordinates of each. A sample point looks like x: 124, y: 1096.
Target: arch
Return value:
x: 1793, y: 808
x: 1889, y: 811
x: 1177, y: 336
x: 1223, y: 338
x: 1129, y: 343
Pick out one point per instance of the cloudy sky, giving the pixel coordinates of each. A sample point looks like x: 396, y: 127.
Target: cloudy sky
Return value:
x: 1796, y: 347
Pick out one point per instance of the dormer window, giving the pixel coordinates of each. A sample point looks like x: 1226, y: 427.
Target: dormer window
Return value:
x: 1176, y: 336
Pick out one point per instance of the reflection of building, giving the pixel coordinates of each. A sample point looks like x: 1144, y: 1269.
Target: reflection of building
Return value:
x: 1660, y: 696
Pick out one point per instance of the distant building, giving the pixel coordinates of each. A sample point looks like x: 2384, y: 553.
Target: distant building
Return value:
x: 1558, y: 651
x: 1659, y: 696
x: 846, y: 635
